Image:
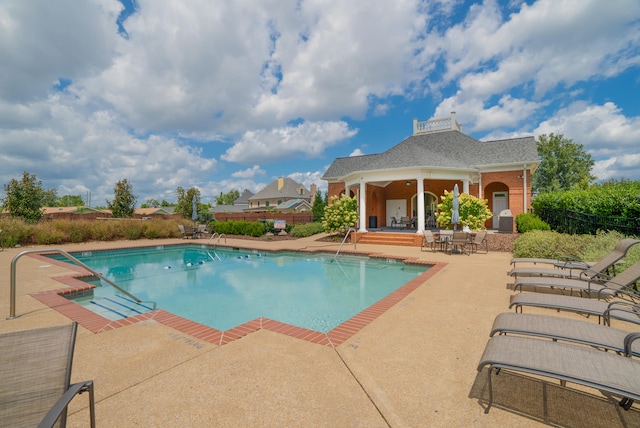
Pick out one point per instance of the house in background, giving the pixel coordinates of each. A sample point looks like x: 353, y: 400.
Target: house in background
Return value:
x: 408, y: 179
x: 48, y: 211
x: 239, y: 205
x: 279, y: 194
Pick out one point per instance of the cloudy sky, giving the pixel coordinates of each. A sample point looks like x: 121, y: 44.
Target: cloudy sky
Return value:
x: 225, y: 95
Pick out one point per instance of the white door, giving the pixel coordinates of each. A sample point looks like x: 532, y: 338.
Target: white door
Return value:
x: 396, y: 208
x: 500, y: 202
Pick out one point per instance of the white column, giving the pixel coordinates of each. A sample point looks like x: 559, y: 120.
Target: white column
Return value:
x: 465, y: 186
x: 362, y: 194
x: 480, y: 187
x: 420, y: 202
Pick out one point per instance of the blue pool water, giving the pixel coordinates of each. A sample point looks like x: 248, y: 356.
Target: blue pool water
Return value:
x: 226, y: 287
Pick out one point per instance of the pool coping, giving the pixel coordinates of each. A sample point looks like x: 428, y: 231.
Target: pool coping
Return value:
x: 97, y: 324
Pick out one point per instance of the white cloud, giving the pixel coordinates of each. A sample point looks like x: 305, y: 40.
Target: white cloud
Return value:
x: 249, y: 172
x: 356, y: 152
x: 308, y: 138
x: 609, y: 136
x: 535, y: 51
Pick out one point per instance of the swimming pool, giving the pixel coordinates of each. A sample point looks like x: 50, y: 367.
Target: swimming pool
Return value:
x: 228, y: 287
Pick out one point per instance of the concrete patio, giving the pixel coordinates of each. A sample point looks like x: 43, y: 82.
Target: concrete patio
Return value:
x: 413, y: 366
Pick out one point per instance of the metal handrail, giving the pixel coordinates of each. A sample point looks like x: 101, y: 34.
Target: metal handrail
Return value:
x: 219, y: 238
x: 351, y: 229
x: 213, y: 235
x: 12, y: 292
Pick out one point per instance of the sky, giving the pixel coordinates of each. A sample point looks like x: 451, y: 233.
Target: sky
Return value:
x: 231, y: 95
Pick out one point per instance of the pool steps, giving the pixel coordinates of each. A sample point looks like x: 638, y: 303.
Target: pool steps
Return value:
x: 113, y: 309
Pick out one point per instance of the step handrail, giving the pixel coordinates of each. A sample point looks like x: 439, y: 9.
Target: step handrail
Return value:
x: 12, y: 281
x: 351, y: 229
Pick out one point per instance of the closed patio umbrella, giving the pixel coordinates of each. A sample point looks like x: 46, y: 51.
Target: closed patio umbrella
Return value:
x: 455, y: 216
x: 194, y: 209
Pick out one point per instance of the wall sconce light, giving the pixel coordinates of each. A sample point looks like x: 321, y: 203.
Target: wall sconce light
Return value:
x: 521, y: 176
x: 408, y: 183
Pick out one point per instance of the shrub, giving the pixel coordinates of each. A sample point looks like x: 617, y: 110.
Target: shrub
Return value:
x: 554, y: 245
x: 473, y: 211
x: 304, y: 230
x: 340, y: 214
x: 526, y: 222
x: 239, y: 228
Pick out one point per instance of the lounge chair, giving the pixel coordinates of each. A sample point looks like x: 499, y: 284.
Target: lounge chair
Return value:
x: 35, y: 373
x: 564, y: 262
x: 597, y: 270
x: 567, y: 363
x: 623, y: 281
x: 480, y: 240
x: 563, y: 329
x: 428, y: 241
x: 618, y: 309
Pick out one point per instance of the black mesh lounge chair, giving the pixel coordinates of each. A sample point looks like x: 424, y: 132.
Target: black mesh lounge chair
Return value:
x: 35, y: 373
x: 567, y: 363
x: 563, y: 329
x: 623, y: 281
x: 623, y: 310
x: 598, y: 270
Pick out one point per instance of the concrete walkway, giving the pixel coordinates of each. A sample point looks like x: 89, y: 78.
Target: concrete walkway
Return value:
x: 414, y: 366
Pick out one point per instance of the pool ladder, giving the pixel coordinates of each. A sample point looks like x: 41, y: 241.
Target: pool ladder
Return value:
x: 12, y: 291
x: 351, y: 229
x: 219, y: 236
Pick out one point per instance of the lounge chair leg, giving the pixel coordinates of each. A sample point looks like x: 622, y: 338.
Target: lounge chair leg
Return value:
x: 626, y: 403
x: 490, y: 391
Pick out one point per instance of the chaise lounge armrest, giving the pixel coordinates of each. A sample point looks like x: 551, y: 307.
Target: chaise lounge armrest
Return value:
x: 56, y: 411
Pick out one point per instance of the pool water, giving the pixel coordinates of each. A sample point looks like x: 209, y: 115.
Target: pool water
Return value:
x: 229, y: 287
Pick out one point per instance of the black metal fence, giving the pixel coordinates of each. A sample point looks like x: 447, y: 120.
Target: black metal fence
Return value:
x: 567, y: 221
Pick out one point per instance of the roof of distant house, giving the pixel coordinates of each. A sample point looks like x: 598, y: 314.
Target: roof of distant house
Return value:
x: 283, y: 187
x: 244, y: 198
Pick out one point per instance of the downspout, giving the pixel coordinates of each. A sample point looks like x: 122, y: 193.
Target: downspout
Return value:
x: 524, y: 187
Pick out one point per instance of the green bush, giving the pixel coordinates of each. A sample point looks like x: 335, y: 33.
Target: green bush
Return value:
x: 554, y: 245
x: 239, y: 228
x: 473, y: 211
x: 526, y: 222
x: 305, y: 230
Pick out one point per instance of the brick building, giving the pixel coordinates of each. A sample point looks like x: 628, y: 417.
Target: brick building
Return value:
x: 408, y: 179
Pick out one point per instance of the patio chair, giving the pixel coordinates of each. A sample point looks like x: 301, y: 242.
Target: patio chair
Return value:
x: 458, y: 243
x: 563, y: 329
x: 186, y: 233
x: 478, y: 241
x: 428, y: 241
x: 597, y: 270
x: 563, y: 262
x: 623, y: 281
x: 35, y: 373
x: 394, y: 222
x: 618, y: 309
x: 567, y: 363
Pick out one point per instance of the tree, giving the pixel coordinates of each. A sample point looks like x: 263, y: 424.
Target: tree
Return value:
x: 340, y: 214
x: 318, y: 206
x: 184, y: 205
x: 49, y: 198
x: 70, y: 201
x: 124, y: 201
x: 227, y: 198
x: 564, y: 165
x: 150, y: 203
x: 24, y: 199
